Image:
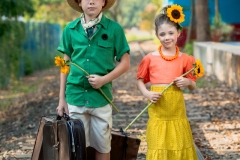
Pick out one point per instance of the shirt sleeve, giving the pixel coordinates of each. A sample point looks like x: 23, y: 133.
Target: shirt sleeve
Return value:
x: 189, y: 66
x: 65, y: 42
x: 143, y: 69
x: 121, y: 45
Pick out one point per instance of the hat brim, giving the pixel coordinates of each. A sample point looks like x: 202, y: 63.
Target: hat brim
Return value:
x: 76, y: 6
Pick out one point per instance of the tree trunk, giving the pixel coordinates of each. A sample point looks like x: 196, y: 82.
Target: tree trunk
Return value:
x: 202, y: 21
x: 190, y: 27
x: 216, y: 10
x: 116, y: 12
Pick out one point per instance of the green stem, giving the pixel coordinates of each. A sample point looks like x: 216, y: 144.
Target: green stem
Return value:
x: 152, y: 103
x: 98, y: 88
x: 138, y: 116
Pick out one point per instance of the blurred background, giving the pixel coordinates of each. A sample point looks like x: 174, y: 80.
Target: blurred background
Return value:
x: 30, y: 30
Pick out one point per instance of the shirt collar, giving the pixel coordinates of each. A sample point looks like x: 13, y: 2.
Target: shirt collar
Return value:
x: 104, y: 22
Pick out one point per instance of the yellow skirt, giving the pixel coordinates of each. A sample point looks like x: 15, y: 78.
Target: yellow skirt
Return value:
x: 168, y: 135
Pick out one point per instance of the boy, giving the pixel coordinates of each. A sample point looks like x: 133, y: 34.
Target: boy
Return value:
x: 93, y: 42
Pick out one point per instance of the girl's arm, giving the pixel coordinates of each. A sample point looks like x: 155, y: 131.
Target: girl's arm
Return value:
x: 192, y: 85
x: 98, y: 81
x: 62, y: 105
x: 151, y: 96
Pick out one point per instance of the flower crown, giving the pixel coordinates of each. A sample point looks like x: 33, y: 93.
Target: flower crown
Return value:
x: 175, y: 13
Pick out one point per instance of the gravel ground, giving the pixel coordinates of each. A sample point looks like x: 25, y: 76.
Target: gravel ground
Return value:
x: 213, y: 111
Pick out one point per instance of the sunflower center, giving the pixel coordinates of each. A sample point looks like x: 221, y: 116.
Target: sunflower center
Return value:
x: 199, y: 70
x: 175, y: 14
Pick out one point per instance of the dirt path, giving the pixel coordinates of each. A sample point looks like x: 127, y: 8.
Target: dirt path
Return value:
x: 213, y: 111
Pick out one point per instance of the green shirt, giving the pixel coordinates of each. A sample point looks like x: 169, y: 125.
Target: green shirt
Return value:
x: 96, y: 56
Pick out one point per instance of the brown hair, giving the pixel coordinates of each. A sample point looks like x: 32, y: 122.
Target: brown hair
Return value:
x: 163, y: 18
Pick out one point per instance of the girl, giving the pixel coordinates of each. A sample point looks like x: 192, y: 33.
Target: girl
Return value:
x: 169, y: 136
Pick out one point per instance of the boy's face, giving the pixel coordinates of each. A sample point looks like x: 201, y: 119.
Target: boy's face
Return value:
x: 168, y: 35
x: 92, y: 8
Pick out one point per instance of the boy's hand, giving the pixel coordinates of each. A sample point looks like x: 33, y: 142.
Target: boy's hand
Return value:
x: 62, y: 107
x: 95, y: 81
x: 152, y: 96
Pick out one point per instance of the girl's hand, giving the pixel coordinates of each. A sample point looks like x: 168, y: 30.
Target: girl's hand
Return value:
x: 96, y: 81
x: 182, y: 82
x: 152, y: 96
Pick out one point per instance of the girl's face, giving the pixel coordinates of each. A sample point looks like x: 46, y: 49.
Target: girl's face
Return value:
x: 168, y: 35
x: 91, y: 8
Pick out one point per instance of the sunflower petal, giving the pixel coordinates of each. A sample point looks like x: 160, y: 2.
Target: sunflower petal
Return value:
x: 59, y: 61
x: 199, y: 70
x: 65, y: 69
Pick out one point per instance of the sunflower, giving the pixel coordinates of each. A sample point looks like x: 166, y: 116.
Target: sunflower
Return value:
x: 198, y: 70
x: 59, y: 61
x: 65, y: 69
x: 175, y: 13
x: 62, y: 63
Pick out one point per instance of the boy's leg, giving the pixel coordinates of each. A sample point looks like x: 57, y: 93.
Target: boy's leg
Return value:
x: 80, y: 113
x: 102, y: 156
x: 100, y: 132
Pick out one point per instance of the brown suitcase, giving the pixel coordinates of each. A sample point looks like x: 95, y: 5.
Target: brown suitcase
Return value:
x: 37, y: 150
x: 61, y: 139
x: 123, y: 147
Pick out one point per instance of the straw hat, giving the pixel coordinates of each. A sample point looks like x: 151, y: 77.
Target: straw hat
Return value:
x: 75, y: 5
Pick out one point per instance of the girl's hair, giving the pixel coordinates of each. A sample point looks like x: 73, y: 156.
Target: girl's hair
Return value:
x: 163, y: 18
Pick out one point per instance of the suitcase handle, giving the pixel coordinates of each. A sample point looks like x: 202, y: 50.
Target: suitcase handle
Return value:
x: 65, y: 116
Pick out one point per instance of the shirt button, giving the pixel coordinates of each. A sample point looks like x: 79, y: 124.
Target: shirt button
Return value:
x: 87, y: 59
x: 86, y: 102
x: 89, y: 45
x: 85, y: 90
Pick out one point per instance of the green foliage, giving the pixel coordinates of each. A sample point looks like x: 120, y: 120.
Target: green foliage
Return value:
x: 15, y: 61
x: 40, y: 41
x: 134, y: 37
x: 157, y: 3
x: 220, y: 31
x: 51, y: 2
x: 10, y: 50
x: 131, y: 11
x: 200, y: 83
x: 14, y: 8
x: 147, y: 17
x: 188, y: 48
x: 27, y: 64
x: 56, y: 12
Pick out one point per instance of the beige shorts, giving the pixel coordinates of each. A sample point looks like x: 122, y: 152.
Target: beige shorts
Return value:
x: 97, y: 124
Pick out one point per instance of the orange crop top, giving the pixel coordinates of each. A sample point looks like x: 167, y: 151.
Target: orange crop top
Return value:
x: 156, y: 70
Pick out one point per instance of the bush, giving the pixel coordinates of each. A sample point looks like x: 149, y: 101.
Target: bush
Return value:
x: 188, y: 48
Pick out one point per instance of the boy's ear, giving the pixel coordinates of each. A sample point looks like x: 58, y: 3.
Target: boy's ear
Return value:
x: 104, y: 3
x: 79, y: 2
